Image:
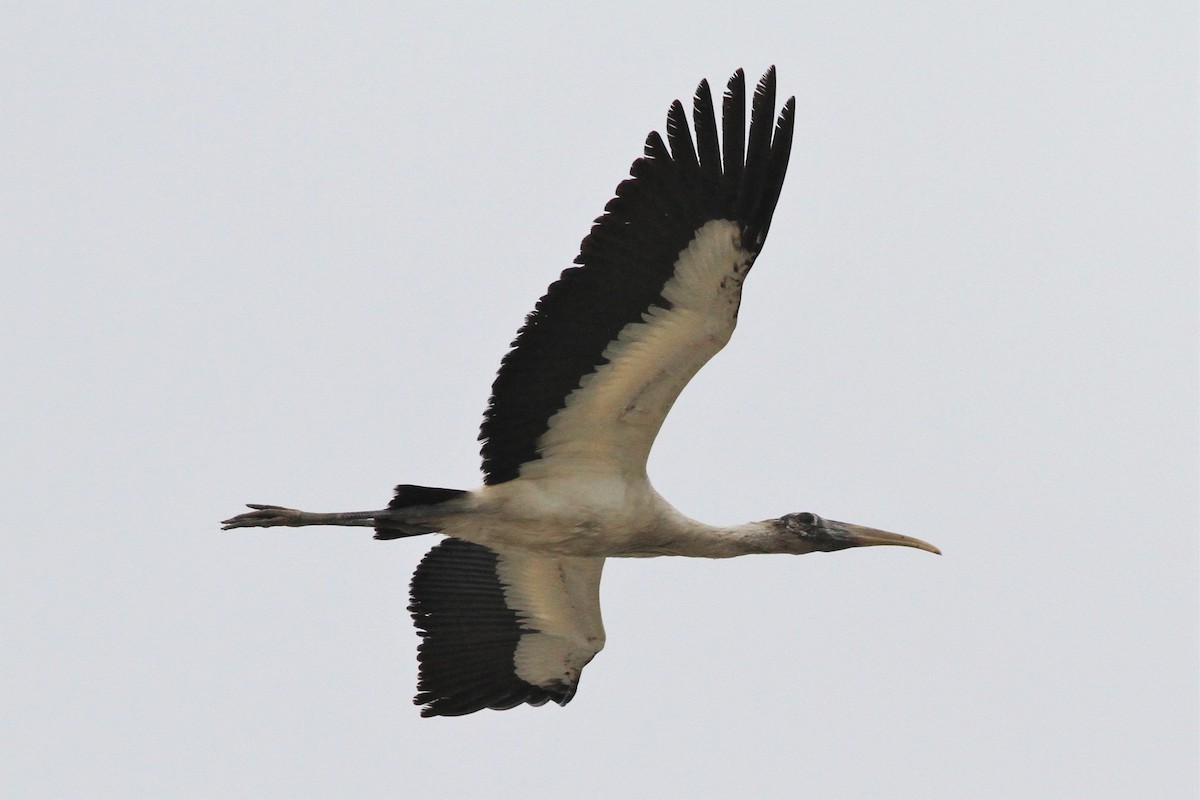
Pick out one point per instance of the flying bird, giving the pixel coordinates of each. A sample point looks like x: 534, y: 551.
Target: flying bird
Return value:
x: 507, y: 605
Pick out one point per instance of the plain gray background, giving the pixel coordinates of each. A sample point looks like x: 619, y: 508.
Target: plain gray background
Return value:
x: 274, y: 253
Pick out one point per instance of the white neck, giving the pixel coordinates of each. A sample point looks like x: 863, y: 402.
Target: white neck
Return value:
x: 697, y: 540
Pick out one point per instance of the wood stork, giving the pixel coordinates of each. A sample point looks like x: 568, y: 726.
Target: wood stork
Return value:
x: 508, y: 605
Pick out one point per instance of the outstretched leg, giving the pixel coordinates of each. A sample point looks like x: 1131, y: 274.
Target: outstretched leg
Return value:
x: 264, y: 516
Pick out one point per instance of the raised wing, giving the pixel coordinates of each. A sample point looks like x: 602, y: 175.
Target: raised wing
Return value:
x: 601, y: 359
x: 502, y: 628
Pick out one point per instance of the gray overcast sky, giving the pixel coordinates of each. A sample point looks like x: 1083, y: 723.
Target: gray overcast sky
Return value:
x: 257, y: 253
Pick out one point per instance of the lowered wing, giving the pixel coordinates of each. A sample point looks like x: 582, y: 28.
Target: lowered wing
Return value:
x: 501, y: 628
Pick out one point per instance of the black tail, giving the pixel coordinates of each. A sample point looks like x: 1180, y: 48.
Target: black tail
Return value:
x: 408, y: 496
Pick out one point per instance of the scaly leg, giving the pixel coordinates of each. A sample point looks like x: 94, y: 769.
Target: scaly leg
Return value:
x: 264, y: 516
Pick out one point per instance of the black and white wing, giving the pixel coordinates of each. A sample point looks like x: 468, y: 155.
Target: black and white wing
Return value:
x: 502, y: 628
x: 601, y: 359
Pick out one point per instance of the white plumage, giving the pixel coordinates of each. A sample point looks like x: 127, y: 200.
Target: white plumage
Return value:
x: 608, y: 424
x: 508, y: 605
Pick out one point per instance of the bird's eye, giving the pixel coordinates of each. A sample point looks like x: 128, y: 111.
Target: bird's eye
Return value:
x: 807, y: 518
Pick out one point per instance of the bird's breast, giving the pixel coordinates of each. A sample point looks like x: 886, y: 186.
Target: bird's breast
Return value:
x: 583, y: 516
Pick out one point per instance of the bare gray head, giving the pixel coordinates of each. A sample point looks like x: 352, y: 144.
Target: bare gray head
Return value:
x: 814, y: 534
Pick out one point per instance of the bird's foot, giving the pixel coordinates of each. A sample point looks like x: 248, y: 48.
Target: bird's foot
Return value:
x: 264, y: 517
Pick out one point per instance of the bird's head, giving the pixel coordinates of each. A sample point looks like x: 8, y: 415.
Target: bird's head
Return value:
x: 814, y: 534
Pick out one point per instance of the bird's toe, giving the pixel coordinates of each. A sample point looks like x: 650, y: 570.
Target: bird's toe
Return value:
x: 263, y: 516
